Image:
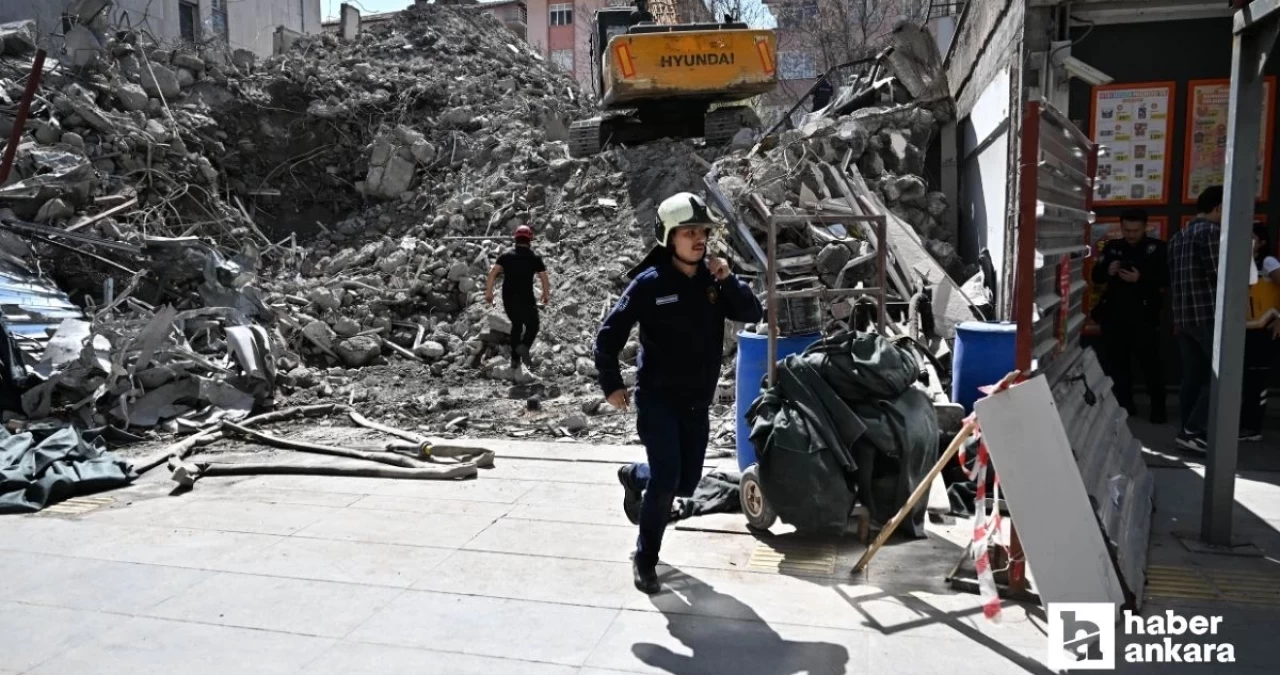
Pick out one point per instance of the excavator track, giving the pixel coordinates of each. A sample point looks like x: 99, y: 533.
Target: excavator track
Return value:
x: 722, y: 124
x: 586, y: 137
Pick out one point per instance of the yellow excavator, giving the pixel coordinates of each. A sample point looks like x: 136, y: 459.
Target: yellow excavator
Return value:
x: 656, y: 80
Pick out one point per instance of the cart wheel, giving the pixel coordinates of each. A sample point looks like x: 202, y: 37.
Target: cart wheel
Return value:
x: 759, y: 515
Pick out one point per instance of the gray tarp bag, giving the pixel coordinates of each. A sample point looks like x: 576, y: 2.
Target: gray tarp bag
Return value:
x: 38, y: 473
x: 844, y: 422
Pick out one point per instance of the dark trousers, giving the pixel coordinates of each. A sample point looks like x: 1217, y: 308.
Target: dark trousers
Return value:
x: 1258, y: 348
x: 524, y: 328
x: 675, y: 441
x: 1122, y: 345
x: 1195, y: 344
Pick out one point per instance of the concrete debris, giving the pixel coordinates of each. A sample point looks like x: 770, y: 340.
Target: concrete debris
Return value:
x: 342, y: 201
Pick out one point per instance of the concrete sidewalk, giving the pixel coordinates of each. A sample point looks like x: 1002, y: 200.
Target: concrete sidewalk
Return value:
x: 523, y: 571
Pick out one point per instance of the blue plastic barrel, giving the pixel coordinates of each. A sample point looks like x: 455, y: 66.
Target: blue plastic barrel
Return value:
x: 984, y: 354
x: 753, y: 366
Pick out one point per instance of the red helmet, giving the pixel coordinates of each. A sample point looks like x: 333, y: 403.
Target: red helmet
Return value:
x: 524, y: 232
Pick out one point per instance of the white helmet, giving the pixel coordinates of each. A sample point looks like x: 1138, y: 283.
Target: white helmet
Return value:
x: 682, y: 209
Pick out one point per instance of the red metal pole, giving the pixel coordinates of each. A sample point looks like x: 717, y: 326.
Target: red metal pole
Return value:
x: 1024, y: 286
x: 24, y: 107
x: 1025, y: 291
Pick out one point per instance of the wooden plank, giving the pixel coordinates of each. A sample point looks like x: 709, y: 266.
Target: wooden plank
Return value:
x: 1046, y: 496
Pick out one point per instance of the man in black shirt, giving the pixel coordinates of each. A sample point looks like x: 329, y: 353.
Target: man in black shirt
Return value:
x: 518, y: 266
x: 1135, y: 270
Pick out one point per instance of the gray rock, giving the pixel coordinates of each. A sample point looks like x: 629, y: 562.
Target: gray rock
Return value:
x: 424, y: 152
x: 359, y: 351
x: 912, y: 189
x: 575, y: 423
x: 131, y: 96
x: 303, y: 377
x: 832, y: 258
x: 430, y: 350
x: 498, y: 322
x: 458, y: 271
x: 54, y: 209
x: 186, y: 78
x: 936, y: 204
x: 319, y: 333
x: 346, y: 327
x: 160, y: 81
x: 397, y: 176
x: 74, y: 140
x: 82, y: 46
x: 326, y: 299
x: 18, y: 38
x: 189, y: 61
x: 244, y: 60
x: 47, y: 133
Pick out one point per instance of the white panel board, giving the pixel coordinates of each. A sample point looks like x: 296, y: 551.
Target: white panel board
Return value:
x: 1047, y: 499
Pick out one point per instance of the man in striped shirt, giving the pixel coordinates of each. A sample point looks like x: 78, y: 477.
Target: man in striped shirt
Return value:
x: 1193, y: 287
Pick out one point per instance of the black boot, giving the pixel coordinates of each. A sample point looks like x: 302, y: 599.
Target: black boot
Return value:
x: 630, y: 495
x: 646, y: 577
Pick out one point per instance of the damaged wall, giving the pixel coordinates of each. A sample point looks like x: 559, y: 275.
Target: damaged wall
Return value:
x: 250, y: 23
x: 983, y: 67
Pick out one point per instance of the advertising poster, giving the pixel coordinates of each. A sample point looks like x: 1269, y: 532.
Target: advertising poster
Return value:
x: 1206, y: 136
x: 1206, y: 146
x: 1105, y: 230
x: 1133, y: 122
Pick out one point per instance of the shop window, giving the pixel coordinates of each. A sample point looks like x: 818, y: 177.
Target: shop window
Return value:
x: 562, y: 14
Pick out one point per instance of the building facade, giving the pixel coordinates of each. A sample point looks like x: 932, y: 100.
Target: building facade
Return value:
x: 241, y: 24
x: 815, y: 35
x: 514, y: 14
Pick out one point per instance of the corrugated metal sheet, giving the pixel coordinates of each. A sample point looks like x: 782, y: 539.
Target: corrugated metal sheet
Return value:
x: 1110, y: 461
x: 31, y: 308
x: 1062, y: 220
x: 1109, y: 458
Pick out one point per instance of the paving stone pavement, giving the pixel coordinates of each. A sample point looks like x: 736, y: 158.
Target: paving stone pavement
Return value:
x: 516, y: 572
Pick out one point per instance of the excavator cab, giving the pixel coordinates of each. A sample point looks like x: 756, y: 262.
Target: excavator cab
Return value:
x: 663, y: 80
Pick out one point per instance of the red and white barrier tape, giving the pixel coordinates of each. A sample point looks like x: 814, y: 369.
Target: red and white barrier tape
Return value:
x: 986, y: 525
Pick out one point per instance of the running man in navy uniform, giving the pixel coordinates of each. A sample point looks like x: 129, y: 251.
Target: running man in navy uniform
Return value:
x: 681, y: 299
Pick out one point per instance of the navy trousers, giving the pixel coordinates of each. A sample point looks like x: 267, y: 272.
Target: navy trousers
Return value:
x: 675, y: 441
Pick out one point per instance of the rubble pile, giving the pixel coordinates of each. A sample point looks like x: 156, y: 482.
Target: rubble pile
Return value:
x: 368, y: 186
x: 167, y: 370
x: 344, y: 200
x: 863, y: 154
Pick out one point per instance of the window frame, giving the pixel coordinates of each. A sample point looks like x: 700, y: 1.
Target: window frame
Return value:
x: 189, y: 8
x: 573, y: 57
x: 561, y: 10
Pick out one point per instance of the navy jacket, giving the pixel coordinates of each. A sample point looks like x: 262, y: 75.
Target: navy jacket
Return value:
x: 681, y: 331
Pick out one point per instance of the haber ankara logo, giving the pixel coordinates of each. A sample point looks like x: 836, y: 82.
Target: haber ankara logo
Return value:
x: 1082, y: 636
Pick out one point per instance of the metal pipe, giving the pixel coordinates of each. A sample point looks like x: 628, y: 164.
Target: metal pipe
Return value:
x: 1249, y: 49
x: 882, y: 264
x: 771, y: 286
x: 24, y: 108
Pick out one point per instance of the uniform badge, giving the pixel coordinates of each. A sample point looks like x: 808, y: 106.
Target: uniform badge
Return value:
x: 712, y: 294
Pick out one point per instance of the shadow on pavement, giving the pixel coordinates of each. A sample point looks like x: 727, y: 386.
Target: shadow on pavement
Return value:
x: 749, y: 646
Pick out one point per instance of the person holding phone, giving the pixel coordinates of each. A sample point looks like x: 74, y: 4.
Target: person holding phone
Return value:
x: 1134, y: 270
x: 681, y: 299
